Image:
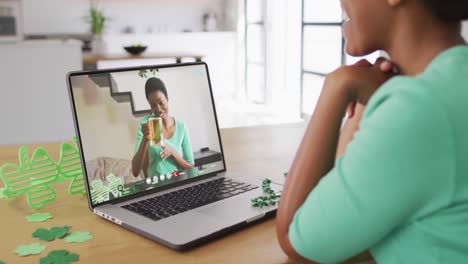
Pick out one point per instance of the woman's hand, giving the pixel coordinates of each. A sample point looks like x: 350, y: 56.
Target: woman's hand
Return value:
x: 145, y: 131
x: 167, y: 152
x: 355, y: 111
x: 361, y: 80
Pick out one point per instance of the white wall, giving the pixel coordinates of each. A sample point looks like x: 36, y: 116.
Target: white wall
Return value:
x: 59, y: 16
x: 218, y: 50
x: 34, y: 102
x: 109, y: 129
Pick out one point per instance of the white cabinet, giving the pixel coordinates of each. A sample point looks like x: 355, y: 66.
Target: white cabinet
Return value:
x: 34, y: 102
x: 219, y: 51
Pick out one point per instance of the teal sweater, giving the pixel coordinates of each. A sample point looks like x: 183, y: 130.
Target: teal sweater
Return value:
x: 401, y: 187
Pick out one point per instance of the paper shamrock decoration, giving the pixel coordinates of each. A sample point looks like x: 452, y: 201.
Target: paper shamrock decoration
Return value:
x: 49, y: 235
x: 78, y: 237
x: 36, y: 175
x: 38, y: 217
x: 59, y: 257
x: 26, y: 250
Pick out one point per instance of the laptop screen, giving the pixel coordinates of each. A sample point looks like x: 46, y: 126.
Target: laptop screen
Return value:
x: 144, y: 128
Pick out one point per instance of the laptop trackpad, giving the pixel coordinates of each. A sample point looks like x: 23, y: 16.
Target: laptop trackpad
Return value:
x: 234, y: 210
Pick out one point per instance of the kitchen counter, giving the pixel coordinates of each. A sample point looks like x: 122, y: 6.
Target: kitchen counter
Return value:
x: 90, y: 60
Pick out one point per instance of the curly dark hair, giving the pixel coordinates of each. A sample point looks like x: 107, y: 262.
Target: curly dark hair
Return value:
x: 448, y: 10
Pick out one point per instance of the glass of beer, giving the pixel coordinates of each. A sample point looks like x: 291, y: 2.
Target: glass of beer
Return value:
x: 155, y: 129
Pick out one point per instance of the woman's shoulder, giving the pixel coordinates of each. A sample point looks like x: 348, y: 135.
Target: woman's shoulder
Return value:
x: 405, y: 95
x: 180, y: 126
x: 179, y: 123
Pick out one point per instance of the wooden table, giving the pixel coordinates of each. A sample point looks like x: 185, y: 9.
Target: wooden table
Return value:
x: 90, y: 60
x: 260, y: 151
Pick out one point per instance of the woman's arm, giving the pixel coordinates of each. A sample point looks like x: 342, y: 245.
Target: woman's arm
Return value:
x: 170, y: 151
x: 181, y: 162
x: 318, y: 149
x: 314, y: 158
x: 141, y: 159
x: 184, y: 161
x: 349, y: 129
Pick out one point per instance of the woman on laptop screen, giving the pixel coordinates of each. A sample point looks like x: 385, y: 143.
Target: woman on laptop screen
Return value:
x: 162, y: 145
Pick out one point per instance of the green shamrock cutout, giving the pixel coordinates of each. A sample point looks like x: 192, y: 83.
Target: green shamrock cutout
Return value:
x: 1, y: 262
x: 59, y: 257
x: 38, y: 217
x: 26, y: 250
x: 60, y: 231
x: 49, y: 235
x: 43, y: 234
x: 78, y: 237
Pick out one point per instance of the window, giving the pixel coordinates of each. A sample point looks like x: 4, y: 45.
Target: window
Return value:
x: 322, y: 48
x: 255, y: 50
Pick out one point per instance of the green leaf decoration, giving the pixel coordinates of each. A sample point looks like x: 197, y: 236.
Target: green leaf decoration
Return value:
x: 49, y: 235
x: 59, y: 257
x: 97, y: 20
x: 142, y: 73
x: 1, y: 262
x: 78, y: 237
x: 38, y: 217
x: 43, y: 234
x: 2, y: 195
x: 26, y: 250
x: 60, y: 231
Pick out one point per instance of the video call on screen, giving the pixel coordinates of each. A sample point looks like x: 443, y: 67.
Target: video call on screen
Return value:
x: 145, y: 128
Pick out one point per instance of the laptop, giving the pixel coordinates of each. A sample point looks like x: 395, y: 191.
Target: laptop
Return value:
x: 152, y: 155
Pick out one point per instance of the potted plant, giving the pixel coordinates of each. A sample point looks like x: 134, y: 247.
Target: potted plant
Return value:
x: 97, y: 22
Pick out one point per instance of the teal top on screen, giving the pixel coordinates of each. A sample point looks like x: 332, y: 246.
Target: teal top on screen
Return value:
x: 180, y: 141
x: 401, y: 187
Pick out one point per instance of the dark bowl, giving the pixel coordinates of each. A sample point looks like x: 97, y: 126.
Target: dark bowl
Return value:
x: 135, y: 50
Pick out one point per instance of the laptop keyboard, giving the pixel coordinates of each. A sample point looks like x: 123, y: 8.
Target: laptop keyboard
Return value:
x: 189, y: 198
